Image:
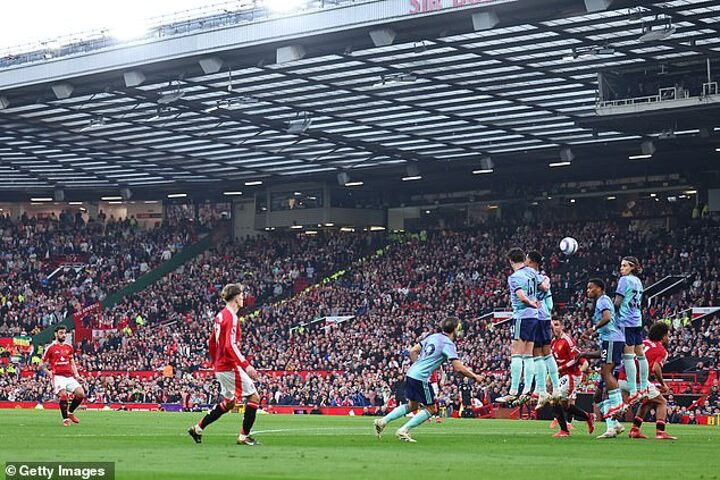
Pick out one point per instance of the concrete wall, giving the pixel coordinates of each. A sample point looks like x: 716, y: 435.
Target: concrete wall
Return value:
x: 243, y: 219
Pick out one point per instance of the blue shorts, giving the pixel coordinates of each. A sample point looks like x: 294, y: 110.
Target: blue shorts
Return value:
x: 633, y: 336
x: 543, y: 333
x: 612, y: 352
x: 524, y: 329
x: 418, y: 391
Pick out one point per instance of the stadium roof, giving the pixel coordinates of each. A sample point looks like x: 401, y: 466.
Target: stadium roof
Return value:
x: 441, y: 97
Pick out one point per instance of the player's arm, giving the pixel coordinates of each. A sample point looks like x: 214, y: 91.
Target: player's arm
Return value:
x: 233, y: 350
x: 73, y: 366
x: 460, y: 368
x: 618, y: 300
x: 584, y: 365
x: 619, y: 297
x: 544, y: 285
x: 606, y: 318
x: 524, y: 298
x: 657, y: 371
x: 414, y: 352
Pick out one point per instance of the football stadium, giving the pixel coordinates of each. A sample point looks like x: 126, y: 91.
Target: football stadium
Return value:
x: 360, y: 239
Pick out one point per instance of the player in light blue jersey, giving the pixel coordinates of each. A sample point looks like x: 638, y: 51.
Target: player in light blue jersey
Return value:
x: 612, y: 343
x: 543, y: 358
x: 524, y: 286
x: 427, y: 356
x: 628, y: 301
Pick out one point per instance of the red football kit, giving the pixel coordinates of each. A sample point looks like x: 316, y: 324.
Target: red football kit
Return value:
x: 565, y: 351
x: 225, y: 343
x: 59, y: 356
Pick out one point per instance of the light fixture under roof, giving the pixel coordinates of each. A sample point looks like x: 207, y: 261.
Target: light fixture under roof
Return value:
x: 483, y: 171
x: 559, y: 164
x: 396, y: 78
x: 296, y: 227
x: 355, y: 184
x: 412, y: 178
x: 253, y: 183
x: 177, y: 195
x: 690, y: 192
x: 41, y: 199
x: 232, y: 194
x: 111, y: 198
x: 169, y: 98
x: 75, y: 203
x: 94, y: 123
x: 611, y: 197
x: 641, y: 156
x: 299, y: 125
x: 657, y: 34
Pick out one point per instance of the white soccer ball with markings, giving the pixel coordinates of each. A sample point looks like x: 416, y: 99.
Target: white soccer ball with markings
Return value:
x: 568, y: 246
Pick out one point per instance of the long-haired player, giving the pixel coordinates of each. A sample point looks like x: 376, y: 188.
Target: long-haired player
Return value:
x: 628, y: 302
x: 232, y: 369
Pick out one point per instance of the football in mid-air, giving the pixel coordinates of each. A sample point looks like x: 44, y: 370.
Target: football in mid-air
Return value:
x: 568, y: 246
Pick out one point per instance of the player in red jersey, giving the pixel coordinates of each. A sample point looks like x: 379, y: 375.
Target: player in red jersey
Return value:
x: 656, y: 354
x: 232, y: 369
x: 567, y: 355
x: 64, y: 374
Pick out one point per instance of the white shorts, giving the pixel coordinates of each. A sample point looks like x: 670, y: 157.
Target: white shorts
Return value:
x: 235, y: 385
x: 652, y: 390
x: 69, y: 384
x: 568, y: 386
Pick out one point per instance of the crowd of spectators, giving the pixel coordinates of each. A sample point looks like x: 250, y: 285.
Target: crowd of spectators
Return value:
x: 94, y: 258
x: 395, y: 296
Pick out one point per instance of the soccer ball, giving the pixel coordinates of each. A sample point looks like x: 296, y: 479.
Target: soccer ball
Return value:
x: 568, y: 246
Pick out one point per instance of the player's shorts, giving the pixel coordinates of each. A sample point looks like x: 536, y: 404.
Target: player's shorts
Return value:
x: 69, y: 384
x: 524, y: 329
x: 652, y: 390
x: 235, y: 385
x: 543, y: 333
x: 568, y: 386
x: 612, y: 352
x: 418, y: 391
x: 633, y: 336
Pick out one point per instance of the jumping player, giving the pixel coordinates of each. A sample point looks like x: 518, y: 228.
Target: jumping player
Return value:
x: 64, y: 375
x: 612, y: 342
x: 544, y: 362
x: 628, y: 301
x: 523, y: 285
x: 232, y: 369
x: 427, y: 356
x: 656, y: 354
x: 569, y: 359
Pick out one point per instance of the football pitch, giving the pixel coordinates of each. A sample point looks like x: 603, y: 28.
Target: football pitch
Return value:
x: 148, y: 445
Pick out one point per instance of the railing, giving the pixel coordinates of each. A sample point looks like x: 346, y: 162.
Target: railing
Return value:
x: 209, y: 17
x: 667, y: 94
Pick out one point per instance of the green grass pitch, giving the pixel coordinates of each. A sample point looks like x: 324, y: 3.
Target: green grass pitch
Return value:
x: 148, y: 445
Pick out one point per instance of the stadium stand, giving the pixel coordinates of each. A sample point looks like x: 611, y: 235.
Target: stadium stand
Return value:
x: 395, y: 297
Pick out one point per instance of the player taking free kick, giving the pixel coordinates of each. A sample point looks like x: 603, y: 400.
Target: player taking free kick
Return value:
x: 232, y: 369
x: 427, y: 356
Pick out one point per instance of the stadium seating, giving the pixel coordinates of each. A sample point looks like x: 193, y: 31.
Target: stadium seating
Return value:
x: 100, y: 256
x: 395, y: 298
